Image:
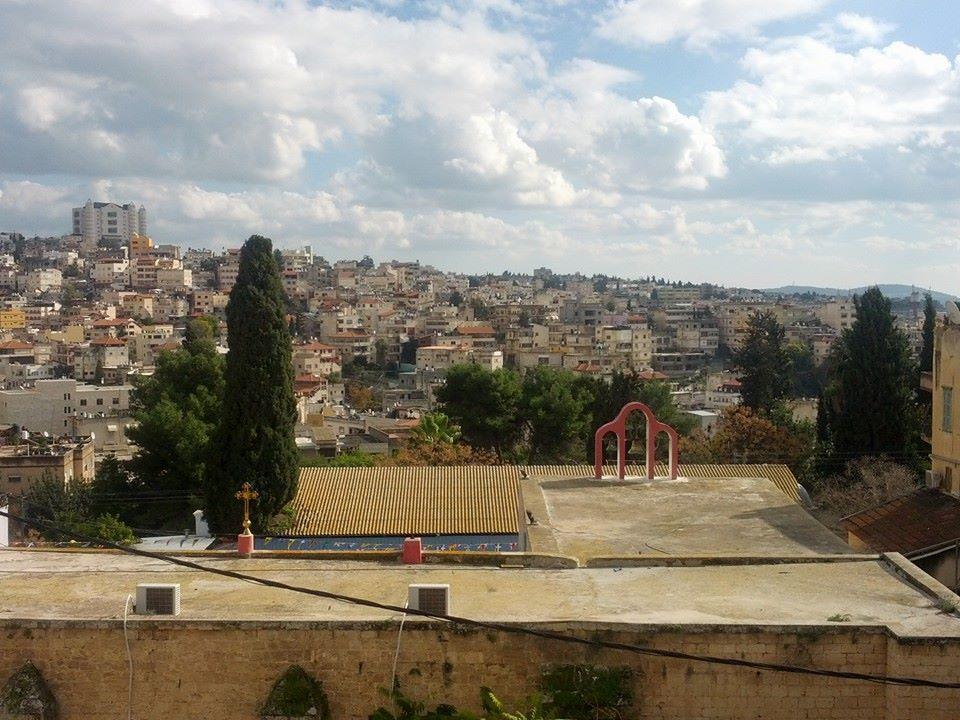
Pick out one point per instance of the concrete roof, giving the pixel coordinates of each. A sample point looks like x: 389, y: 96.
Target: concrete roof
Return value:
x: 91, y: 586
x: 582, y: 517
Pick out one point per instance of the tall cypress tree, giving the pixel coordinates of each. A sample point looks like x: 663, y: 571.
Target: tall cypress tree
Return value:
x: 255, y: 440
x: 764, y: 363
x: 871, y: 390
x: 929, y: 323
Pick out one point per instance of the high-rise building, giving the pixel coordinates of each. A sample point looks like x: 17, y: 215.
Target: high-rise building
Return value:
x: 98, y: 221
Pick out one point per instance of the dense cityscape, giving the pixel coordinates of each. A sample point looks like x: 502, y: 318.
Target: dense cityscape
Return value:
x: 479, y: 360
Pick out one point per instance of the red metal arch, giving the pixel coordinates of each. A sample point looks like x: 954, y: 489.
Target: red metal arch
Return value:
x: 618, y: 426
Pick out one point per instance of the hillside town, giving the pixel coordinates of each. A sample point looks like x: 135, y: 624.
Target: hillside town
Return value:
x: 432, y: 430
x: 84, y: 314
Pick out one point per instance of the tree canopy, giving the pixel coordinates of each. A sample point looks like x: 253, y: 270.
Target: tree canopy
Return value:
x: 871, y: 387
x: 485, y: 404
x: 764, y: 363
x: 176, y: 410
x: 254, y: 441
x: 929, y: 323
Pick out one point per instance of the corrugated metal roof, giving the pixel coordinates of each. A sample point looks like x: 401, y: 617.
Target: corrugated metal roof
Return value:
x: 408, y: 500
x: 461, y: 500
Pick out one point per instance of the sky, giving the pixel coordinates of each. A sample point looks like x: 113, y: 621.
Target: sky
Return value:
x: 742, y: 142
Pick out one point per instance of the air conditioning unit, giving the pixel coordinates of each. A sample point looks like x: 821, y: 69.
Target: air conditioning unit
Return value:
x: 429, y: 598
x: 157, y: 599
x: 934, y: 479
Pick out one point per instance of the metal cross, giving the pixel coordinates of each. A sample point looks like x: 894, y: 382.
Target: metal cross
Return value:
x: 247, y: 494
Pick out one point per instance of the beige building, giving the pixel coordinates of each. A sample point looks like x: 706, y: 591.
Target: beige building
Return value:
x: 50, y: 405
x: 443, y: 357
x: 24, y: 464
x: 315, y: 359
x: 838, y: 314
x: 945, y: 429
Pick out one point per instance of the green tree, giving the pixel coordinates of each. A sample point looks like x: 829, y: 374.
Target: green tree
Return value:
x: 556, y: 412
x: 380, y: 352
x: 70, y: 507
x: 177, y: 410
x: 485, y: 404
x: 806, y: 378
x: 608, y: 398
x: 929, y: 323
x: 254, y: 441
x: 871, y: 388
x: 764, y: 363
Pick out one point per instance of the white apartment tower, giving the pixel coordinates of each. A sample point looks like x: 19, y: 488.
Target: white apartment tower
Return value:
x: 96, y: 221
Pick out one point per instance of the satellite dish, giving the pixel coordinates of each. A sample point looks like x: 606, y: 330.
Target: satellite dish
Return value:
x: 953, y: 311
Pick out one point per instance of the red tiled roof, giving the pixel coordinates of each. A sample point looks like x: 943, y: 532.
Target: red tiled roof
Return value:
x: 314, y: 347
x: 651, y: 375
x: 15, y: 345
x: 911, y: 522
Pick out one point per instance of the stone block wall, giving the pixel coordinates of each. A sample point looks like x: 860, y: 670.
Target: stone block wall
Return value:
x: 224, y: 670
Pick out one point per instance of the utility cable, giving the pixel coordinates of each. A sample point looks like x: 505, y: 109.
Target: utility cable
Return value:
x: 126, y: 642
x: 515, y: 629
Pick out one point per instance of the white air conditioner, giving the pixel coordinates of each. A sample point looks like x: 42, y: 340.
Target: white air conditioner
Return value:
x: 934, y: 479
x: 429, y: 598
x: 157, y: 599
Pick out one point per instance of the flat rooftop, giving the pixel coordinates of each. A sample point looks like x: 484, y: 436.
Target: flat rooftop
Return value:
x: 744, y: 516
x: 93, y: 586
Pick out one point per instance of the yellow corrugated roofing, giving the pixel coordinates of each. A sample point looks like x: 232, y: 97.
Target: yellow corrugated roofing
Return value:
x: 461, y: 500
x: 408, y: 500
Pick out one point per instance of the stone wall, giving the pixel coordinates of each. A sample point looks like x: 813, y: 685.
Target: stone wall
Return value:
x: 224, y: 671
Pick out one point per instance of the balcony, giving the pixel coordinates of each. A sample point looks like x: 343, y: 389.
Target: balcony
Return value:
x: 926, y: 381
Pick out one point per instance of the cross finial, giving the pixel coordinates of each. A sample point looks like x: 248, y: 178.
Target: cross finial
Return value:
x: 247, y: 494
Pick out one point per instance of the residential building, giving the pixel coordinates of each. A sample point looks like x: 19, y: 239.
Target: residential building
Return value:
x: 838, y: 314
x: 98, y: 221
x: 28, y: 460
x: 945, y: 389
x: 50, y: 405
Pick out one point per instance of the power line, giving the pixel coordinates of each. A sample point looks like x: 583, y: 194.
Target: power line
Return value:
x: 502, y: 627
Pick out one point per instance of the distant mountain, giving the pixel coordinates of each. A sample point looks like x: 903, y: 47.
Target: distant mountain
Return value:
x: 891, y: 291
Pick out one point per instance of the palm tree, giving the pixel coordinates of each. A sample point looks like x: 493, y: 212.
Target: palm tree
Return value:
x: 436, y: 428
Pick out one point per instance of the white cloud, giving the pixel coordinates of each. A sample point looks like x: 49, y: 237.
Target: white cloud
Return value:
x: 854, y: 29
x: 813, y: 102
x: 698, y: 22
x: 603, y: 138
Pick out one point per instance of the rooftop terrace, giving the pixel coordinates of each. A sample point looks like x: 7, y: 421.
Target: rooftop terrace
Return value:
x: 92, y: 586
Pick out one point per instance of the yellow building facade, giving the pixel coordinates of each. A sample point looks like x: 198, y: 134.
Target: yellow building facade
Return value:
x: 945, y: 430
x: 12, y: 319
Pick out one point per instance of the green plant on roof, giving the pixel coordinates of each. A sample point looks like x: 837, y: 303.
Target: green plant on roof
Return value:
x: 493, y: 709
x: 946, y: 605
x: 587, y: 692
x: 839, y: 617
x: 297, y: 694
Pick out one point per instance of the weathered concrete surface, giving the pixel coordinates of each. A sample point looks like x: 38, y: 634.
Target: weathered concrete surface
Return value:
x: 583, y: 517
x: 94, y: 587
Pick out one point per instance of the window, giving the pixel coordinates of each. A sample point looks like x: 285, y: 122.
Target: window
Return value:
x: 83, y: 402
x: 13, y: 479
x: 99, y: 401
x: 946, y: 419
x: 116, y: 401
